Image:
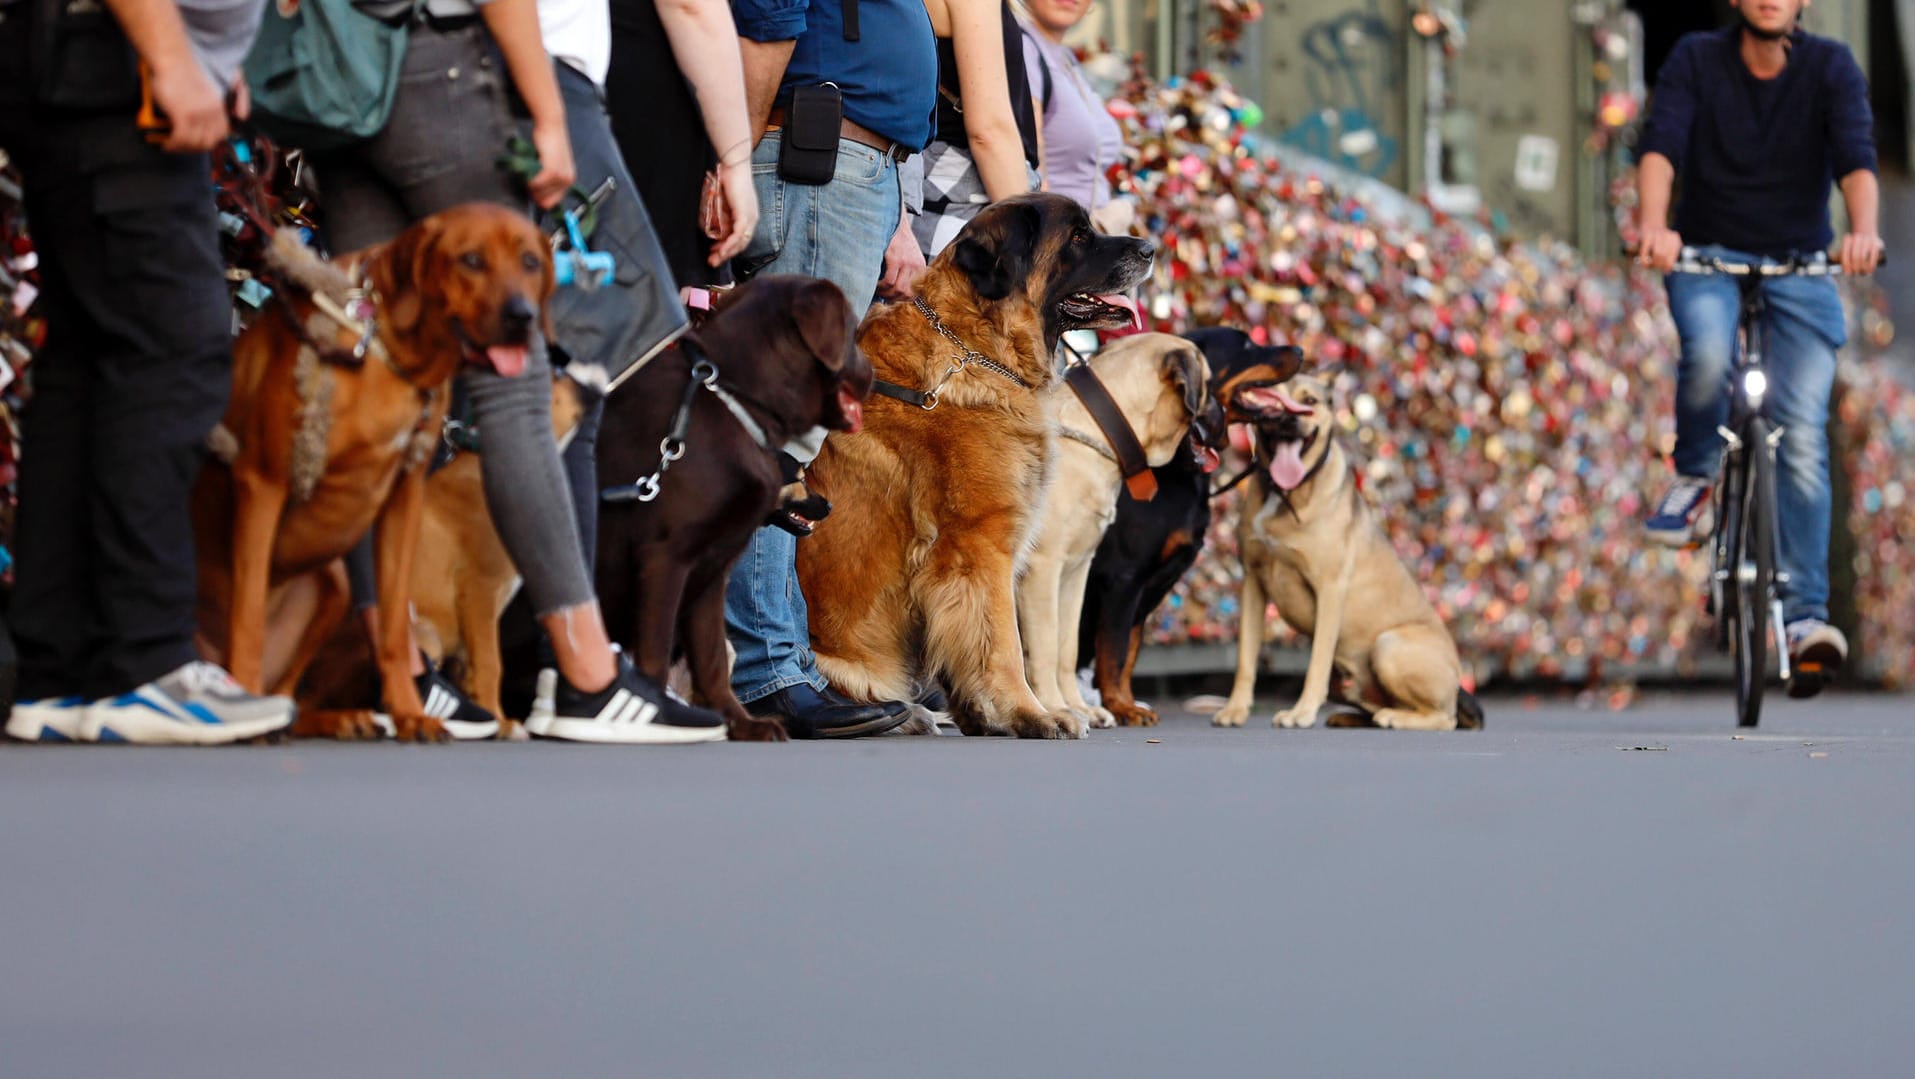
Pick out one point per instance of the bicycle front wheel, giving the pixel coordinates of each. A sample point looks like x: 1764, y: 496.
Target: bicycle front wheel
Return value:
x: 1754, y: 573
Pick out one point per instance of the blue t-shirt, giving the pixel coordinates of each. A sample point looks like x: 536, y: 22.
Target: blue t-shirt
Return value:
x: 1756, y: 158
x: 889, y: 76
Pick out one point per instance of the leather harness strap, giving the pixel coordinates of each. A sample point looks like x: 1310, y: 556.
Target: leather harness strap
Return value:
x: 900, y: 393
x: 1138, y: 478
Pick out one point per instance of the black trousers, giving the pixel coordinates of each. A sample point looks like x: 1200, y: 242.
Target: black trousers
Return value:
x: 134, y: 374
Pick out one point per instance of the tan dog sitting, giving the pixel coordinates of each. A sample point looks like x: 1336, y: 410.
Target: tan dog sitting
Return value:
x: 1312, y: 545
x: 1157, y: 384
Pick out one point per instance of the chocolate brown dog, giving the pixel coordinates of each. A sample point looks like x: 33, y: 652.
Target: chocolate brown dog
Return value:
x: 776, y: 359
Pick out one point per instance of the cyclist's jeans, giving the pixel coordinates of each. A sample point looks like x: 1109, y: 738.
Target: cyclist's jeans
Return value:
x: 1803, y: 329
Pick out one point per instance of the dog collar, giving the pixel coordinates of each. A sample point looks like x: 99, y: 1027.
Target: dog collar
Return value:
x: 966, y: 354
x: 704, y: 376
x: 1127, y: 451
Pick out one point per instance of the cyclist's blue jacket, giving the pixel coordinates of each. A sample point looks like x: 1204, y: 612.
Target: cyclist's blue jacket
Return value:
x: 1755, y: 158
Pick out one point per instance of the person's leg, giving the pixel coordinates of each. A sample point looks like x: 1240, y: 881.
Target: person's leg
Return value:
x: 580, y: 460
x: 53, y: 616
x: 1805, y: 328
x: 1704, y: 308
x: 837, y: 231
x: 130, y: 236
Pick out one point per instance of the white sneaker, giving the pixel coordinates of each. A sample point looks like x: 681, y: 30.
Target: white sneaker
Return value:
x: 48, y: 719
x: 197, y: 705
x: 632, y: 710
x: 1817, y: 651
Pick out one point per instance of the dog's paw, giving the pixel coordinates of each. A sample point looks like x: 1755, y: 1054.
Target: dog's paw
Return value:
x: 1101, y: 719
x: 357, y: 725
x: 1133, y: 715
x: 1231, y: 715
x: 1303, y: 715
x: 746, y: 728
x: 1048, y: 725
x: 511, y: 730
x: 923, y: 723
x: 419, y: 728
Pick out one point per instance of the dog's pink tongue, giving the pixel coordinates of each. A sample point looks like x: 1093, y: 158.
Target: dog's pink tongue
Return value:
x: 1128, y: 304
x: 507, y: 360
x: 1286, y: 471
x: 1211, y: 460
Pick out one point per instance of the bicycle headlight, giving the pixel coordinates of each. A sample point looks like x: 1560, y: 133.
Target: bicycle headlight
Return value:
x: 1755, y: 384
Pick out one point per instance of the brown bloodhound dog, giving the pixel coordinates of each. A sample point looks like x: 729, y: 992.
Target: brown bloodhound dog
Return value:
x: 777, y: 358
x: 335, y: 408
x: 934, y: 504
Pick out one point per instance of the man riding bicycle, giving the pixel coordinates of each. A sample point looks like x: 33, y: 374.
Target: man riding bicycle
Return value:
x: 1760, y: 119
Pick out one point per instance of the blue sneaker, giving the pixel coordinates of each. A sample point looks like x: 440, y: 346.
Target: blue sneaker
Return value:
x: 47, y: 719
x: 1674, y: 522
x: 196, y: 705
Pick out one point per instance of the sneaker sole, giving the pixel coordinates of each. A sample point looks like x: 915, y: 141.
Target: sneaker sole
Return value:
x: 625, y: 734
x: 462, y: 731
x: 1813, y: 670
x: 32, y: 726
x: 1675, y: 540
x: 151, y: 729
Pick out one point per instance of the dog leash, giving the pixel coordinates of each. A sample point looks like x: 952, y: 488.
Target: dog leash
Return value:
x: 672, y: 447
x: 967, y: 357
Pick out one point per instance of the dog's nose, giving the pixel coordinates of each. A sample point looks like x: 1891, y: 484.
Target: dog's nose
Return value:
x: 518, y: 312
x: 1146, y: 249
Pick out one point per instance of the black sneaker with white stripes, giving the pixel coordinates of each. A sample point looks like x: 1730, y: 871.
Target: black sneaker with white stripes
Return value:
x: 463, y: 720
x: 633, y: 710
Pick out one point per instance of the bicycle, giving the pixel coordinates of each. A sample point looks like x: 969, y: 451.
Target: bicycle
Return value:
x: 1743, y: 585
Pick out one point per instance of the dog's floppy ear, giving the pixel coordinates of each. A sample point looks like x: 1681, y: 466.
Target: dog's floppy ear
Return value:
x: 998, y: 255
x: 399, y: 271
x: 1185, y: 368
x: 823, y: 319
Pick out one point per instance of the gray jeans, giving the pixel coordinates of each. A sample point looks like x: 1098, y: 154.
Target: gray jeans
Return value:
x: 449, y: 123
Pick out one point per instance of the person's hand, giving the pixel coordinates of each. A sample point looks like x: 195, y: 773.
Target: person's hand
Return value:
x: 193, y: 106
x: 1114, y: 218
x: 1660, y: 248
x: 903, y: 263
x: 1861, y: 253
x: 741, y: 199
x: 556, y: 171
x: 240, y: 100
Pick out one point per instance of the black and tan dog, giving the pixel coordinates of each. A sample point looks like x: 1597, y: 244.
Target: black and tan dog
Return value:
x: 1311, y: 544
x: 913, y: 577
x: 775, y: 360
x: 1152, y: 544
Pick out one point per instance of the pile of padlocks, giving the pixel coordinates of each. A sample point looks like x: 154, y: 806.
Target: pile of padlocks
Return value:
x: 1509, y: 403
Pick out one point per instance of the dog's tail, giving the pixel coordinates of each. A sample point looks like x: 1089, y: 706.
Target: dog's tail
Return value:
x: 1469, y: 711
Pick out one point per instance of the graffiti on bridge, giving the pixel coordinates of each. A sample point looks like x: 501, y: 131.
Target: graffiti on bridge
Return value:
x: 1354, y: 66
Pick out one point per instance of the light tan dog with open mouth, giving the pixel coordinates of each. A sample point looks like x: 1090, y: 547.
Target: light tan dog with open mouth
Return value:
x: 1311, y: 544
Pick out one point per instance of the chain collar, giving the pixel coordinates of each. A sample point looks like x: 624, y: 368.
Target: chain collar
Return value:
x: 966, y: 355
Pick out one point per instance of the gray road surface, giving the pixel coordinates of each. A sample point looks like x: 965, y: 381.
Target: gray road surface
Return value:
x: 1570, y: 893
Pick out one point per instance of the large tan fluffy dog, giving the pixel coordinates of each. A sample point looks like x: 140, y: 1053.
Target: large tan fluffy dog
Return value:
x: 1158, y: 382
x: 912, y: 578
x: 1311, y: 544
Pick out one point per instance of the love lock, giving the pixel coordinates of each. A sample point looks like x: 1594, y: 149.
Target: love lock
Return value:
x: 580, y: 265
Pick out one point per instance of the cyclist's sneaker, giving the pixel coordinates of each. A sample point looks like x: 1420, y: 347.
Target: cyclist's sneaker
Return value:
x: 1817, y: 651
x: 47, y: 719
x: 444, y: 702
x: 633, y: 710
x: 1673, y: 523
x: 197, y: 705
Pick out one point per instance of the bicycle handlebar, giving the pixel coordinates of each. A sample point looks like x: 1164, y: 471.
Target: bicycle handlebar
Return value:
x: 1692, y: 261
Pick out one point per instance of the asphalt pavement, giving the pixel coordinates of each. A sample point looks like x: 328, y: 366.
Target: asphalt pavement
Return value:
x: 1569, y: 893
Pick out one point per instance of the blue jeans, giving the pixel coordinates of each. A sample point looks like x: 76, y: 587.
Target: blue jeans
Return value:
x: 837, y: 231
x: 1803, y: 329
